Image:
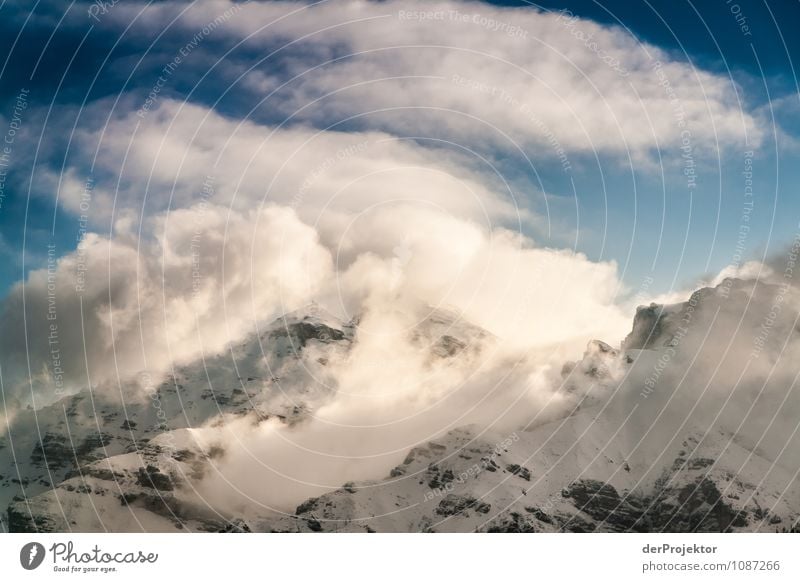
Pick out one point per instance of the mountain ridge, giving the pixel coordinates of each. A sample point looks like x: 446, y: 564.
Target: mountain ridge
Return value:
x: 613, y: 462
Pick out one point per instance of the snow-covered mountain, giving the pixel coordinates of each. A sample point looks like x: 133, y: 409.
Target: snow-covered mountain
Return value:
x: 645, y: 442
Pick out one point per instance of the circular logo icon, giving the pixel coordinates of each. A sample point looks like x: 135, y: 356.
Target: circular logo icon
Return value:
x: 31, y: 555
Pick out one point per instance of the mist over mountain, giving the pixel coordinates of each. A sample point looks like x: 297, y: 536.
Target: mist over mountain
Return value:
x: 395, y: 421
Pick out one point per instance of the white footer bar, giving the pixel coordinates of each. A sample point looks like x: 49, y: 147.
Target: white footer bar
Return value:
x: 371, y: 557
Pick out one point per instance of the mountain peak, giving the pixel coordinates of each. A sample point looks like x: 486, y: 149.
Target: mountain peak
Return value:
x: 312, y: 313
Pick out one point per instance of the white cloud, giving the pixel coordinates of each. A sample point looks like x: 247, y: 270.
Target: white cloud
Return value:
x: 198, y: 280
x: 454, y: 67
x: 162, y: 161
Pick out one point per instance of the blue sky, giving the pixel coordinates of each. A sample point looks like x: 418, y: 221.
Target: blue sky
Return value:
x: 79, y: 71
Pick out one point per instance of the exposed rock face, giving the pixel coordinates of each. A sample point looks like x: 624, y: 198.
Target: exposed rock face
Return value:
x: 693, y: 507
x: 519, y: 471
x: 602, y: 503
x: 512, y: 523
x: 447, y: 346
x: 460, y: 504
x: 55, y: 452
x: 52, y: 452
x: 152, y: 478
x: 658, y: 326
x: 302, y: 332
x: 21, y: 520
x: 648, y: 328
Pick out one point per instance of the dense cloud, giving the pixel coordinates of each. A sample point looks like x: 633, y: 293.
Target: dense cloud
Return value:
x: 486, y: 74
x: 116, y: 307
x: 205, y: 276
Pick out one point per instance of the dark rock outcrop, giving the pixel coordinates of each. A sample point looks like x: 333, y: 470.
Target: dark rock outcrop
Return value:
x: 460, y: 504
x: 303, y: 331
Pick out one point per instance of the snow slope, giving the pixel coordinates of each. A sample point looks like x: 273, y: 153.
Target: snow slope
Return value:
x: 650, y: 441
